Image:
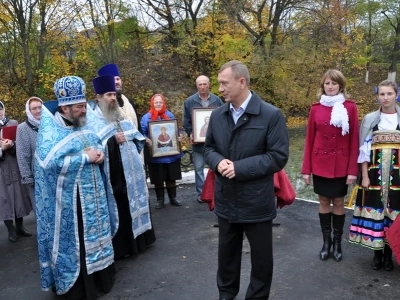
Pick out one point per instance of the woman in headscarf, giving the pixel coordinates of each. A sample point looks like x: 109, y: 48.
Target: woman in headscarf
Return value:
x: 26, y: 144
x: 330, y: 155
x: 14, y: 200
x: 167, y: 168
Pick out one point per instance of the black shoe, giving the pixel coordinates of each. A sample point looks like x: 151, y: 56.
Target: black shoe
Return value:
x: 377, y: 261
x: 175, y: 202
x: 199, y: 200
x: 388, y: 265
x: 12, y: 233
x: 21, y: 231
x: 387, y: 258
x: 337, y: 249
x: 12, y: 237
x: 159, y: 204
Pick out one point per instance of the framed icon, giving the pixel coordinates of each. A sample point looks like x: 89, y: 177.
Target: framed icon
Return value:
x: 164, y: 136
x: 200, y: 120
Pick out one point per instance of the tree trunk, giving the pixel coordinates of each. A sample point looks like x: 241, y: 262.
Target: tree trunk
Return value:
x: 367, y: 67
x: 395, y: 54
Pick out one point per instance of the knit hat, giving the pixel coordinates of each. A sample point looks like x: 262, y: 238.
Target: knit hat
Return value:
x: 70, y: 90
x: 109, y: 69
x: 104, y: 84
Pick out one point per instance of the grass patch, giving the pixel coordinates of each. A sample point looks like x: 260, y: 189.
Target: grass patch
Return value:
x: 297, y: 137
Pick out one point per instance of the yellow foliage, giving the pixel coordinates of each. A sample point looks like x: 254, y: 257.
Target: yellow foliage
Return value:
x: 296, y: 121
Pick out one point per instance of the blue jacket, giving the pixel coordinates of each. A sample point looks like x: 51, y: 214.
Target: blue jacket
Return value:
x: 144, y: 124
x: 195, y: 101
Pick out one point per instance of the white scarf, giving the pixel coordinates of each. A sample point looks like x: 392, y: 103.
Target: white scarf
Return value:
x: 4, y: 114
x: 31, y: 118
x: 339, y: 116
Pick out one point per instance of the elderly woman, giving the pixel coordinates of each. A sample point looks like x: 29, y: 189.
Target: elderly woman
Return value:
x: 330, y: 155
x: 26, y: 143
x: 378, y: 198
x: 14, y: 199
x: 162, y: 169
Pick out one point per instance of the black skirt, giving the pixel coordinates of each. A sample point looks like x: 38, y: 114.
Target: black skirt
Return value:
x: 159, y: 173
x: 330, y: 187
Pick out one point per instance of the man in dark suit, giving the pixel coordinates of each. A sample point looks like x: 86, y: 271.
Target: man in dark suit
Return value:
x: 246, y: 143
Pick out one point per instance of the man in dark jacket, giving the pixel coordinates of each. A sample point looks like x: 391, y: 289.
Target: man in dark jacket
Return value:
x: 203, y: 98
x: 247, y: 142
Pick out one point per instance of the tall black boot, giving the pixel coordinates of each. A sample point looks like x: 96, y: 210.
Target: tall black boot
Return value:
x: 377, y: 261
x: 337, y: 224
x: 172, y: 196
x: 387, y: 258
x: 160, y: 198
x: 20, y: 227
x: 325, y: 221
x: 12, y: 232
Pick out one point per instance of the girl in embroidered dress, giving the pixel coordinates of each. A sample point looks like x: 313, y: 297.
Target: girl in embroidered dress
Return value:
x: 330, y: 155
x: 378, y: 198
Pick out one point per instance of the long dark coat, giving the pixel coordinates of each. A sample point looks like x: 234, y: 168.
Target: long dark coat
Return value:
x: 14, y: 197
x: 258, y: 145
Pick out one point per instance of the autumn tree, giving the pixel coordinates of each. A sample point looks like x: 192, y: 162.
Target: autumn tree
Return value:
x: 368, y: 11
x: 28, y: 33
x: 391, y: 10
x: 98, y: 18
x: 262, y: 19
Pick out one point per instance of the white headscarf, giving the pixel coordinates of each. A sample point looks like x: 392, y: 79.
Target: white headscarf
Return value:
x: 4, y: 115
x: 339, y: 116
x: 31, y: 118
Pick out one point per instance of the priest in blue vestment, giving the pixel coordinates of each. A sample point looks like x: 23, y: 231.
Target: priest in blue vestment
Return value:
x: 73, y: 222
x: 123, y: 169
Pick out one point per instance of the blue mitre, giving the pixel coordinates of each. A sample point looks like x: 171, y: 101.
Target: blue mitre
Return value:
x: 70, y: 90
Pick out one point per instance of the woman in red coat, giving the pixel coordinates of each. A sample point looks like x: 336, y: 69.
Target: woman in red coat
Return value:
x: 330, y: 155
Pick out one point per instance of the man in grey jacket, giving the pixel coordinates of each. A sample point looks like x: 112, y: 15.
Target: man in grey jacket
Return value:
x: 246, y: 143
x: 203, y: 98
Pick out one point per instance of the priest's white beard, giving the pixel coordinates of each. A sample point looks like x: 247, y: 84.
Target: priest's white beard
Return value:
x: 111, y: 111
